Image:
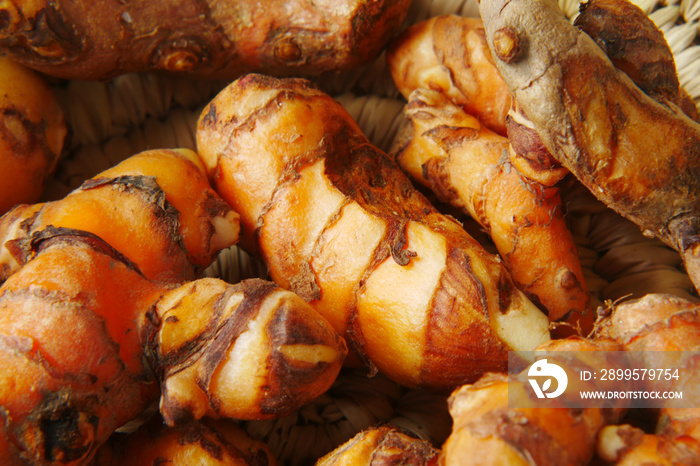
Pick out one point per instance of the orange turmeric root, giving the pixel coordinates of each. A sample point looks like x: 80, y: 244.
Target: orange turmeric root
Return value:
x: 498, y: 420
x: 206, y: 443
x: 66, y: 382
x: 487, y: 431
x: 527, y: 153
x: 157, y: 208
x: 88, y: 342
x: 337, y: 221
x: 32, y: 134
x: 626, y: 445
x: 76, y: 40
x: 384, y: 444
x: 469, y: 166
x: 244, y: 351
x: 636, y: 47
x: 599, y: 124
x: 654, y: 324
x: 449, y: 54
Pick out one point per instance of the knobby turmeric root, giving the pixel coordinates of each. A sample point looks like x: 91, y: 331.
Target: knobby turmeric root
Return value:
x: 655, y: 322
x: 336, y: 221
x: 32, y: 134
x: 489, y: 428
x: 449, y: 54
x: 157, y: 208
x: 87, y: 343
x: 205, y: 443
x: 66, y: 382
x: 384, y: 444
x: 244, y: 351
x: 639, y: 156
x: 469, y: 166
x: 487, y: 431
x: 658, y: 323
x: 78, y: 40
x: 498, y: 420
x: 626, y: 445
x: 637, y: 47
x: 652, y: 324
x: 527, y: 153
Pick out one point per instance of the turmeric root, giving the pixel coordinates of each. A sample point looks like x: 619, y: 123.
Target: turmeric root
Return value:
x: 653, y: 325
x: 336, y: 221
x: 88, y: 342
x: 77, y: 40
x: 384, y: 444
x: 468, y: 166
x: 655, y: 322
x: 527, y: 153
x: 449, y: 53
x: 487, y: 431
x: 66, y: 383
x: 206, y: 443
x: 157, y: 208
x: 637, y: 47
x: 498, y: 420
x: 637, y: 155
x: 626, y: 445
x: 244, y: 351
x: 32, y: 134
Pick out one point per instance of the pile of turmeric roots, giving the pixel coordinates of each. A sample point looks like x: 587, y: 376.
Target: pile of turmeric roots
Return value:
x: 107, y: 322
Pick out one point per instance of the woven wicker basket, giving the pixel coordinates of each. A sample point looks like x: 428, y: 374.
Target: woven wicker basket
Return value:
x: 115, y: 119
